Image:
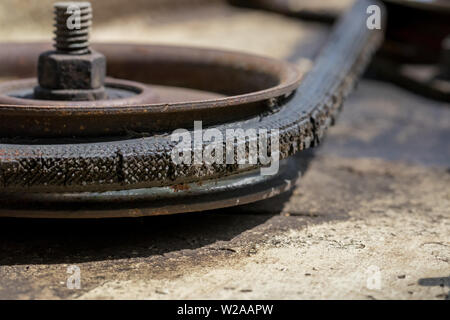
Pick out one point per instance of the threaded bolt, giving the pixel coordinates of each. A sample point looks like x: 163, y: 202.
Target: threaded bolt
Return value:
x: 73, y: 72
x: 73, y: 22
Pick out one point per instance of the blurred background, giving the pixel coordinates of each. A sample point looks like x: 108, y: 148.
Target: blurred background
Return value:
x: 188, y: 22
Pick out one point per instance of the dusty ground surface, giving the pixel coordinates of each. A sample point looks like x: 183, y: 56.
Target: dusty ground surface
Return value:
x: 369, y: 219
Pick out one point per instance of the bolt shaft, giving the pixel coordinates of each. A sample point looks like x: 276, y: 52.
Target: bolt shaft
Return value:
x: 73, y: 22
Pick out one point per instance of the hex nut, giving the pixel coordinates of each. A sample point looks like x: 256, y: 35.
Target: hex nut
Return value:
x: 58, y: 70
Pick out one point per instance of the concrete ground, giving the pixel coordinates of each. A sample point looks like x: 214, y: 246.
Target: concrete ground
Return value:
x: 369, y: 219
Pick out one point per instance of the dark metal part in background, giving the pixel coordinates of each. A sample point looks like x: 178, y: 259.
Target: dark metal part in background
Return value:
x: 415, y: 30
x: 414, y: 54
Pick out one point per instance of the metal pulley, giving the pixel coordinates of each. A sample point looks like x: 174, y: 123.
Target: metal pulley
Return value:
x: 89, y: 135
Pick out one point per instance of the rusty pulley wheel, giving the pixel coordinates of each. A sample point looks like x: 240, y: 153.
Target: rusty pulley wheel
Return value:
x: 128, y: 171
x: 227, y: 86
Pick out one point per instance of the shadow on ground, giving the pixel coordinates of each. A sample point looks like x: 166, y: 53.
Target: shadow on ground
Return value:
x: 437, y: 282
x: 33, y: 241
x: 54, y: 241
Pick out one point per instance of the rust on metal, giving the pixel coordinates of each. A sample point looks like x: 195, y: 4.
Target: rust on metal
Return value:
x: 180, y: 187
x: 245, y: 82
